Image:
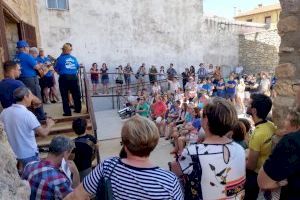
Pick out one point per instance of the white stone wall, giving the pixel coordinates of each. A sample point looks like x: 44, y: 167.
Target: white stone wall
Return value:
x: 151, y: 31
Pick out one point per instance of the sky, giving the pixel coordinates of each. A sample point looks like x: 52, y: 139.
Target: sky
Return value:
x: 225, y: 8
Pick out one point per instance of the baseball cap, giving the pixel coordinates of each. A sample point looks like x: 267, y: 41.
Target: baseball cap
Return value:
x: 22, y: 44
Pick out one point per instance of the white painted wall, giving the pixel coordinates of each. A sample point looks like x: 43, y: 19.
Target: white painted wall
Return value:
x: 151, y: 31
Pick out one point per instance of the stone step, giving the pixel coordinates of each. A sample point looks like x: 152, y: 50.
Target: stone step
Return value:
x: 59, y: 119
x: 65, y: 127
x: 43, y: 142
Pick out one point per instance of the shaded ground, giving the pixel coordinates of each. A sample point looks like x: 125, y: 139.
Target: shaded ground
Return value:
x: 109, y: 133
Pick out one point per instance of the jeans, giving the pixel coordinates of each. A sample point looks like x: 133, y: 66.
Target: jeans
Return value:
x: 24, y: 161
x: 33, y: 84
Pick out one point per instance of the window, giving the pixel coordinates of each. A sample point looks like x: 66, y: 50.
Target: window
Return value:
x: 268, y: 20
x: 249, y: 20
x: 58, y: 4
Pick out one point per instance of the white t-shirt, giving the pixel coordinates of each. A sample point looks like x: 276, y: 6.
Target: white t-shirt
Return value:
x: 19, y: 124
x: 221, y: 178
x: 239, y: 69
x: 156, y: 89
x: 174, y: 86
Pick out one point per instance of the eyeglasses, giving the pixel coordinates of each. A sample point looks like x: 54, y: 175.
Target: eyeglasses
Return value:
x: 296, y: 87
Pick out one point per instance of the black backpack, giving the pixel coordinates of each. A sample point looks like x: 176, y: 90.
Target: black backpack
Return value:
x: 104, y: 189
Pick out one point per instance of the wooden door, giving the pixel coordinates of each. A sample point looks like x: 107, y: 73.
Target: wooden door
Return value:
x: 3, y: 43
x: 28, y: 33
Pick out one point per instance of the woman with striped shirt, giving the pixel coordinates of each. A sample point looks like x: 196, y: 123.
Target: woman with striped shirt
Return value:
x: 133, y: 177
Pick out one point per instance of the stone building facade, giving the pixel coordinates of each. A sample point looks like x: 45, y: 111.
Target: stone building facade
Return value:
x: 258, y: 51
x: 18, y: 20
x: 155, y: 32
x: 288, y: 70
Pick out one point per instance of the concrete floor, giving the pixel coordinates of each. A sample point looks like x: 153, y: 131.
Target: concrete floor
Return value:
x: 109, y: 127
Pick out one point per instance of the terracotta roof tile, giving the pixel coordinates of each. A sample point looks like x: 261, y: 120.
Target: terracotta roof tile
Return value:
x: 259, y: 10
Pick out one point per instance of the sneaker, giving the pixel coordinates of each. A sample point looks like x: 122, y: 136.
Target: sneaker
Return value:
x: 53, y: 101
x: 67, y: 115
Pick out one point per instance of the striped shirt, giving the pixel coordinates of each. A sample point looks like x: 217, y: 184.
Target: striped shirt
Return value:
x: 129, y: 182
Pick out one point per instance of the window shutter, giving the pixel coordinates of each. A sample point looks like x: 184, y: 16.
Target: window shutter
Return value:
x: 28, y: 33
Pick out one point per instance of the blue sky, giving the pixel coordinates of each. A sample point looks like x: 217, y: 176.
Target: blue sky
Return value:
x: 225, y: 8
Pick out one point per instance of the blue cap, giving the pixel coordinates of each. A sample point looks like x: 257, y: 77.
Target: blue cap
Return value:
x: 22, y: 44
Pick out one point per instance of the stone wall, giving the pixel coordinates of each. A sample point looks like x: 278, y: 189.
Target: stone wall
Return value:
x: 151, y: 31
x: 288, y: 70
x: 26, y: 10
x: 11, y: 186
x: 258, y: 51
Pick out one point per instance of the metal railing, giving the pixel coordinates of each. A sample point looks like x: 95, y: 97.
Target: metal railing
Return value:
x: 89, y: 104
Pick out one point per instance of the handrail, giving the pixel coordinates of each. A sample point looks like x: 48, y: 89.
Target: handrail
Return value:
x: 90, y: 108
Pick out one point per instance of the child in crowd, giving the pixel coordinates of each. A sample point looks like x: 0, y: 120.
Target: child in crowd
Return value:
x: 240, y: 132
x: 85, y: 147
x: 221, y: 92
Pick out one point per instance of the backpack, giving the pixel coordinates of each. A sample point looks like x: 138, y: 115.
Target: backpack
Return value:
x: 104, y: 189
x: 192, y: 186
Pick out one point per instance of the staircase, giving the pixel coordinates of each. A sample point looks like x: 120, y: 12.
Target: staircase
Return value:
x: 63, y: 124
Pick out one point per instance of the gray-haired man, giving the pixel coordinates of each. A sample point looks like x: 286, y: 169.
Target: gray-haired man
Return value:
x: 48, y: 178
x: 21, y: 125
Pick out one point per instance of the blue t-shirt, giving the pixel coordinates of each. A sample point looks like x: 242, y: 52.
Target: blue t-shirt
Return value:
x: 66, y: 64
x: 196, y: 123
x: 43, y: 61
x: 231, y: 90
x: 207, y: 87
x: 7, y: 87
x: 188, y: 117
x: 27, y: 64
x: 220, y: 85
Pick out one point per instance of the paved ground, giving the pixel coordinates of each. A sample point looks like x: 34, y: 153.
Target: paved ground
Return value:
x: 109, y: 131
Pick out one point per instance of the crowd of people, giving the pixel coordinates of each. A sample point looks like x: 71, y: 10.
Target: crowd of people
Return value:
x: 217, y: 155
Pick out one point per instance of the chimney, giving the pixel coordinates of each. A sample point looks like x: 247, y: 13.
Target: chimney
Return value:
x: 260, y: 5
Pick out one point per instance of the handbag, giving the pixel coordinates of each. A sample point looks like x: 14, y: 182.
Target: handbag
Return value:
x: 192, y: 186
x: 104, y: 189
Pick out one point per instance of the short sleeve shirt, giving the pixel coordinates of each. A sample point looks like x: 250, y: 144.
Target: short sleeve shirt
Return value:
x: 19, y: 124
x: 46, y: 181
x: 284, y: 163
x: 221, y: 179
x: 66, y: 64
x: 7, y: 87
x: 261, y: 141
x: 84, y: 151
x: 231, y: 90
x: 129, y: 182
x: 27, y: 63
x: 159, y: 108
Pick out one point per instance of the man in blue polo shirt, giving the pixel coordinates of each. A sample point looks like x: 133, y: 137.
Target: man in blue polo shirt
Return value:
x: 67, y: 68
x: 28, y: 74
x: 12, y: 71
x: 9, y: 84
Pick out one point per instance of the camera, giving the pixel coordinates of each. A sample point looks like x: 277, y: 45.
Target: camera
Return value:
x: 126, y: 112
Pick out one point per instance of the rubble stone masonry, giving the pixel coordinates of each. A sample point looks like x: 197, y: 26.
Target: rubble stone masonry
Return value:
x: 258, y: 51
x: 288, y: 70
